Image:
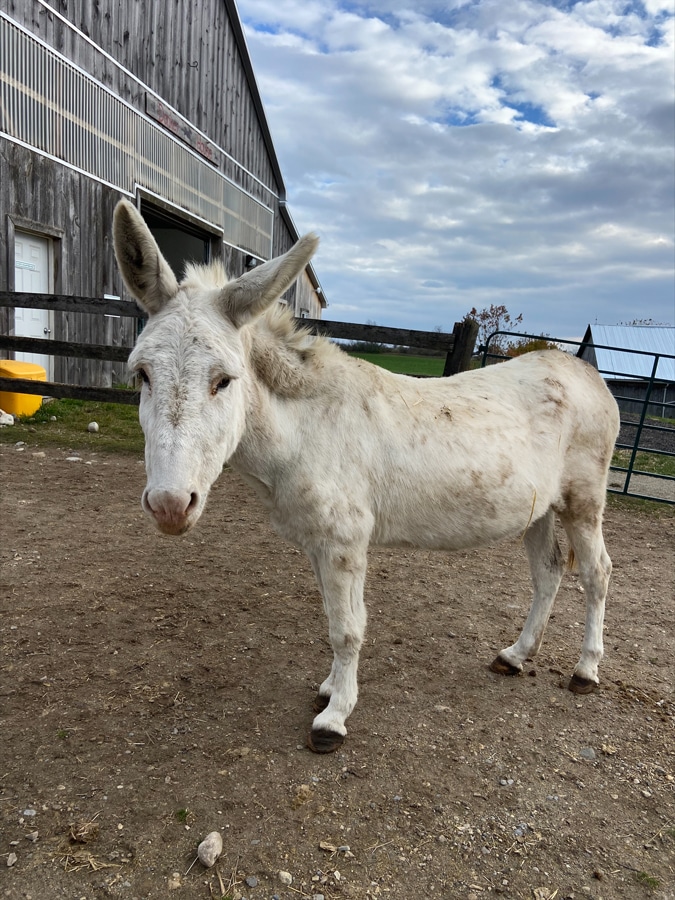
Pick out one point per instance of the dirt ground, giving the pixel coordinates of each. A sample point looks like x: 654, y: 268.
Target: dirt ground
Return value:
x: 155, y: 689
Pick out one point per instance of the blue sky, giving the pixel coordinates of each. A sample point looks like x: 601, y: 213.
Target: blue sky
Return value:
x: 459, y: 154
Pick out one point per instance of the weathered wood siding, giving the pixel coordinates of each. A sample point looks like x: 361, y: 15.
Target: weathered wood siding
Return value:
x: 77, y: 212
x: 303, y: 299
x: 186, y: 51
x: 183, y: 50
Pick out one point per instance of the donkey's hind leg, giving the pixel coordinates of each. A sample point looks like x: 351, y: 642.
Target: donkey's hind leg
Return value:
x: 546, y: 567
x: 584, y: 531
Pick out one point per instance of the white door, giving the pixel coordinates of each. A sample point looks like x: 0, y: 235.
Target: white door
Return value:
x: 32, y: 275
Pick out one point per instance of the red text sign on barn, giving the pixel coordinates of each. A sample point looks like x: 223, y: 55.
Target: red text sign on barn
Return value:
x: 176, y: 124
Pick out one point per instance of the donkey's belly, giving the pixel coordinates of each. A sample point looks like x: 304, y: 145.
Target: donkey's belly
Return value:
x: 453, y: 519
x: 455, y: 535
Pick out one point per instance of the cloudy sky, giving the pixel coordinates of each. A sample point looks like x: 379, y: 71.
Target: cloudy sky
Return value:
x: 468, y: 152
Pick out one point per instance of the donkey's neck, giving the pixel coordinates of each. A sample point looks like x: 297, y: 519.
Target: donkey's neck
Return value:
x: 264, y: 455
x: 292, y: 384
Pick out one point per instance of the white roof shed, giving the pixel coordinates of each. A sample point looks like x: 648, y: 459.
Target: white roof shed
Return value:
x: 608, y: 348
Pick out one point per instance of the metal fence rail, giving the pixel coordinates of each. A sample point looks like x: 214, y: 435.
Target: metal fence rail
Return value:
x: 632, y: 481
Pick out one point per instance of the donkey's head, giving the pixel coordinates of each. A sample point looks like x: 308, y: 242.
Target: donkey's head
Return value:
x: 192, y: 360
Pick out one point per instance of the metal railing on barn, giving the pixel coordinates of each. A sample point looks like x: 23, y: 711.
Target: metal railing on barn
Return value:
x: 631, y: 478
x: 457, y: 346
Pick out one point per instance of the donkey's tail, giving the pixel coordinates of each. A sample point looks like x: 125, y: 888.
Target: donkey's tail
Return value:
x: 571, y: 560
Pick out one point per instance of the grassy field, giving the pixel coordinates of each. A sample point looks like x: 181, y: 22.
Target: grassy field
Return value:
x: 633, y: 504
x: 405, y: 363
x: 645, y: 462
x: 63, y: 423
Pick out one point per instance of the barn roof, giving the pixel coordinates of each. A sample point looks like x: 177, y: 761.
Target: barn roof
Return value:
x: 647, y: 339
x: 242, y: 46
x: 240, y: 38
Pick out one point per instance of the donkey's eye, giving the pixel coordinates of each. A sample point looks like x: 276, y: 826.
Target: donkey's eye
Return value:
x: 220, y: 385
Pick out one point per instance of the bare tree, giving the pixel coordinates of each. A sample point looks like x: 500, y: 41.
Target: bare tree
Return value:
x: 498, y: 318
x: 494, y: 318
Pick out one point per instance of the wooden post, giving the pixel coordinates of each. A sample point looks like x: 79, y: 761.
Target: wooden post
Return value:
x: 459, y: 359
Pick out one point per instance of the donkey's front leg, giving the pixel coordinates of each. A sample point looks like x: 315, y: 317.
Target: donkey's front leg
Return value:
x: 341, y: 575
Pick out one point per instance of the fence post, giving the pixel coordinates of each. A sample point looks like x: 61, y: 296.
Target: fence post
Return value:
x: 459, y: 359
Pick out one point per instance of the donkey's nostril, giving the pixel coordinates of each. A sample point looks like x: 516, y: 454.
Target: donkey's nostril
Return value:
x: 170, y: 508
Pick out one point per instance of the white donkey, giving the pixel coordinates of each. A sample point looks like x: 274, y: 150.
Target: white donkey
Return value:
x: 345, y: 454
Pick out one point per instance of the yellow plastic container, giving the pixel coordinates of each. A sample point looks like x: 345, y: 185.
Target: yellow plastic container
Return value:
x: 21, y: 404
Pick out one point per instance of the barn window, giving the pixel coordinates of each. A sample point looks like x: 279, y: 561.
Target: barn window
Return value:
x: 180, y: 241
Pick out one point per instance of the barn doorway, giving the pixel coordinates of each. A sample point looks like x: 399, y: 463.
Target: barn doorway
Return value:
x: 33, y: 275
x: 180, y: 241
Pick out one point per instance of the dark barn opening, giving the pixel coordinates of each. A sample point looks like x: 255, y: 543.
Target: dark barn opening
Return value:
x: 179, y: 241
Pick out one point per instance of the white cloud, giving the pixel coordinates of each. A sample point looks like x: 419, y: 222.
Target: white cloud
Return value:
x: 453, y: 155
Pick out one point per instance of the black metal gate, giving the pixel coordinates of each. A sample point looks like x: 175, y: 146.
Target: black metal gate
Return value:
x: 643, y: 464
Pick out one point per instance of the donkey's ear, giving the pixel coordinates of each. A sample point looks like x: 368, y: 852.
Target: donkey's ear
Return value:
x: 145, y: 271
x: 249, y: 295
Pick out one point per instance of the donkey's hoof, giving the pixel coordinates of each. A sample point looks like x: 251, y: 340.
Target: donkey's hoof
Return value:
x: 579, y: 685
x: 321, y: 701
x: 503, y: 667
x: 322, y: 740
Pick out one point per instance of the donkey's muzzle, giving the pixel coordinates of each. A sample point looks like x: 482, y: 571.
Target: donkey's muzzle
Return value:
x: 173, y: 511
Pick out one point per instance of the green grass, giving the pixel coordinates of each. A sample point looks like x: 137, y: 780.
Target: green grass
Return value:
x: 635, y: 505
x: 404, y: 363
x: 118, y: 426
x: 645, y: 462
x: 661, y: 420
x: 647, y: 880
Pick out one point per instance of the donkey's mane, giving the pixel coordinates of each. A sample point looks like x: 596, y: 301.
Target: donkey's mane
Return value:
x: 285, y: 356
x: 206, y: 276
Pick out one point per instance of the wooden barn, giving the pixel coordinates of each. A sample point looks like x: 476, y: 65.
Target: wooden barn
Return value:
x: 155, y: 101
